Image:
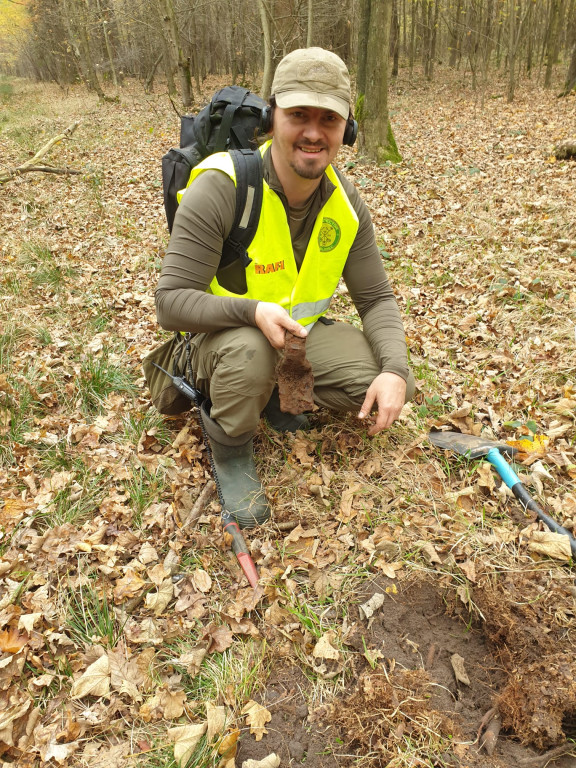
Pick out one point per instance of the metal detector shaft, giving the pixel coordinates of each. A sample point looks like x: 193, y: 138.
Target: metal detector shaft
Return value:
x: 229, y: 524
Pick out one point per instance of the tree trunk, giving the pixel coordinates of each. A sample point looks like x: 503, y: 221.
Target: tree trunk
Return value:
x: 89, y: 70
x: 173, y: 35
x: 455, y: 36
x: 378, y: 139
x: 109, y: 53
x: 511, y: 52
x: 570, y: 83
x: 309, y: 31
x: 395, y: 39
x: 148, y: 85
x: 266, y: 31
x: 553, y: 41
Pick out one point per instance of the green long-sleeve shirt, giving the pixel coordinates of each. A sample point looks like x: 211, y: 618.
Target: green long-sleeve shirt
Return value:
x: 204, y: 220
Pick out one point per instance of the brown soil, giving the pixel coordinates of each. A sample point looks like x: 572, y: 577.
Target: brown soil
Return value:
x: 412, y: 694
x: 295, y: 379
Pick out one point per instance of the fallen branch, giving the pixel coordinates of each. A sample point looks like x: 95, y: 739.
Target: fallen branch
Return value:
x: 200, y: 503
x: 540, y: 761
x: 42, y: 168
x: 31, y: 165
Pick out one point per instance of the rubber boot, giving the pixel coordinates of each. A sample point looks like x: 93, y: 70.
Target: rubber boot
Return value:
x: 280, y: 421
x: 241, y: 489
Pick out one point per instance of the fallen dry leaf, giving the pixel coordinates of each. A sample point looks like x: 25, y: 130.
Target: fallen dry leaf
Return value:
x: 185, y: 739
x: 270, y: 761
x: 202, y: 581
x: 554, y: 545
x: 130, y: 585
x: 459, y: 670
x: 256, y: 717
x: 216, y: 720
x: 11, y: 641
x: 369, y: 608
x: 324, y: 648
x: 159, y: 600
x: 95, y: 681
x: 538, y: 446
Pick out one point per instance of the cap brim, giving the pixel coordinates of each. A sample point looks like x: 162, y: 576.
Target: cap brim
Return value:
x: 290, y: 99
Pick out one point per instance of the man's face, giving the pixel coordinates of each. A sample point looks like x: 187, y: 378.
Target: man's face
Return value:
x: 306, y: 139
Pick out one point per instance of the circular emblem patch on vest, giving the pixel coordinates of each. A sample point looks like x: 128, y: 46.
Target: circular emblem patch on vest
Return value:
x: 329, y: 235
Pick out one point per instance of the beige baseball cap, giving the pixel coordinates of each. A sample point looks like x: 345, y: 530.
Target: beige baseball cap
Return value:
x: 313, y: 77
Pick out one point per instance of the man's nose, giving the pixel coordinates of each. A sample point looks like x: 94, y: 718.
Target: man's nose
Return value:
x: 313, y: 130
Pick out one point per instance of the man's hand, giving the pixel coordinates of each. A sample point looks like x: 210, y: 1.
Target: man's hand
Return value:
x: 274, y: 321
x: 388, y: 392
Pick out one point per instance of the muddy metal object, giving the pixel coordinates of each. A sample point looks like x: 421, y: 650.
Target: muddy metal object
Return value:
x: 295, y: 379
x: 475, y: 447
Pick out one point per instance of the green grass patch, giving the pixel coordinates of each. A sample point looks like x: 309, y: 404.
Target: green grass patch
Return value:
x: 99, y: 377
x: 91, y: 618
x: 77, y: 501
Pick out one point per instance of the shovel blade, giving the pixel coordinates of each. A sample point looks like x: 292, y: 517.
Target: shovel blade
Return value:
x: 468, y: 445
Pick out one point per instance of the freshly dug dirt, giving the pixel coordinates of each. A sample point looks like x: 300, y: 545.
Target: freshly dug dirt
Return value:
x: 295, y: 379
x: 538, y: 702
x: 411, y: 694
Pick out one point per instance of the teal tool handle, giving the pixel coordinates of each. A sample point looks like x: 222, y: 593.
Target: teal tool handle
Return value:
x: 513, y: 482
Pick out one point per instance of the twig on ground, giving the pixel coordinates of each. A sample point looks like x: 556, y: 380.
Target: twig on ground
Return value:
x: 31, y: 165
x: 200, y: 503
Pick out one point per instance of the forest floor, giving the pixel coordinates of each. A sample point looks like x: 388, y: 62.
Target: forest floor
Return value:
x: 404, y: 593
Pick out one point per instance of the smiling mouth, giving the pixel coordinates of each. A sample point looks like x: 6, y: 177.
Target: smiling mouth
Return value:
x: 311, y: 150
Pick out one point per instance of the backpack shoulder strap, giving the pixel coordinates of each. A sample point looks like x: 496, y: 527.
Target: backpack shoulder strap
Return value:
x: 235, y: 97
x: 249, y: 192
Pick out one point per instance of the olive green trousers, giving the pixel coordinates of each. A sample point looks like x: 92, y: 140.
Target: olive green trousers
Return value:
x: 235, y: 368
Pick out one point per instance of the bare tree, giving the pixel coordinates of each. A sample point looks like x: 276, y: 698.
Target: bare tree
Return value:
x: 267, y: 33
x: 377, y: 140
x: 570, y: 83
x: 173, y: 36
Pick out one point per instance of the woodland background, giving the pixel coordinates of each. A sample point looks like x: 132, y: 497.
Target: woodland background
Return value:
x: 407, y: 603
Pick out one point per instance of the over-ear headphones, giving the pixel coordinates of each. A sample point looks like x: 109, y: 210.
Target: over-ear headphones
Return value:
x: 266, y: 119
x: 350, y: 132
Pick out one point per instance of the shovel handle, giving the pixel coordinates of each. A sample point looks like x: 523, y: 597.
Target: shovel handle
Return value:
x: 514, y: 483
x: 241, y: 550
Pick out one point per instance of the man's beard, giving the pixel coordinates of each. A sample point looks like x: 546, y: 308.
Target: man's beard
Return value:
x: 308, y: 173
x: 305, y: 171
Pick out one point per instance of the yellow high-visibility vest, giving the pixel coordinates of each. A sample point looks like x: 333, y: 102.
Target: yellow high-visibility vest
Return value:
x: 272, y: 275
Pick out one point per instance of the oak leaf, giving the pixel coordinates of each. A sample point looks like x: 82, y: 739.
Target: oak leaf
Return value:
x: 256, y: 717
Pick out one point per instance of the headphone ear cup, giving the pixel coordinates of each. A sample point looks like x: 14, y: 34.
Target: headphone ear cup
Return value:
x: 351, y: 132
x: 266, y: 119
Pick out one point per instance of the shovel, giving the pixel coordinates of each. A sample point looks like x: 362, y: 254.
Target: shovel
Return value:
x: 473, y: 447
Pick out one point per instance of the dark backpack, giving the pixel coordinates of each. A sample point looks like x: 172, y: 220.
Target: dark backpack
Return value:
x: 231, y: 121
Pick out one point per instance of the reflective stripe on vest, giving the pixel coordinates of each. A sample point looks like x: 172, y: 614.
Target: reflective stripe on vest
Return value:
x: 273, y: 275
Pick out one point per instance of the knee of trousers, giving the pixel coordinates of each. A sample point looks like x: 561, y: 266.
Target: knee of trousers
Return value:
x: 239, y: 360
